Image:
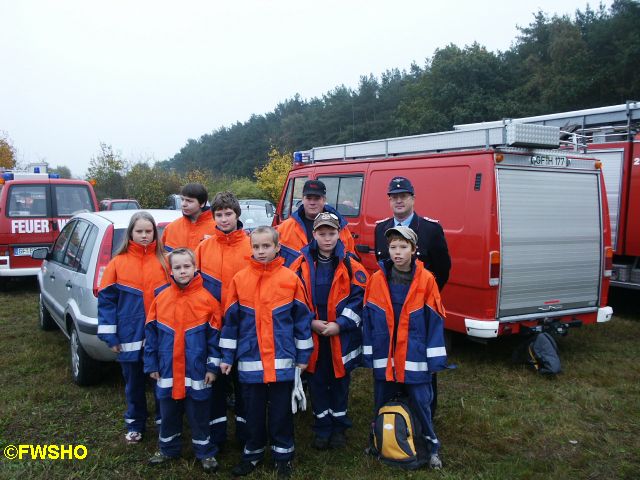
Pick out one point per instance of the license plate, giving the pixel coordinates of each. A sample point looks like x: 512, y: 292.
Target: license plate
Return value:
x: 549, y: 161
x: 23, y: 251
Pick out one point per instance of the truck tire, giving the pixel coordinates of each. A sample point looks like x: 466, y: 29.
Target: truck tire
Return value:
x: 45, y: 320
x: 84, y: 369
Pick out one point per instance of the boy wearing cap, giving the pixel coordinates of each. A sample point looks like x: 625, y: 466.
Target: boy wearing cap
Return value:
x: 218, y: 259
x: 196, y: 223
x: 297, y: 230
x: 335, y: 283
x: 267, y: 329
x: 403, y: 331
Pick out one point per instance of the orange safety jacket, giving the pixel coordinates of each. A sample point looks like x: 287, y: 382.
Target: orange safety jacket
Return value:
x: 182, y: 332
x: 344, y: 306
x: 127, y: 288
x: 419, y: 347
x: 220, y: 257
x: 182, y: 232
x: 267, y: 323
x: 293, y: 235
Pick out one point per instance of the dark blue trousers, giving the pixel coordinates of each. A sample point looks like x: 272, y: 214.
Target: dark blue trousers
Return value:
x: 170, y: 438
x: 420, y: 396
x: 135, y: 380
x: 218, y: 416
x: 269, y: 417
x: 329, y: 395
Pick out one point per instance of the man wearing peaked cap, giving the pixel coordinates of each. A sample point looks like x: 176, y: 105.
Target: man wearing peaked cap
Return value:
x: 297, y: 230
x: 432, y: 246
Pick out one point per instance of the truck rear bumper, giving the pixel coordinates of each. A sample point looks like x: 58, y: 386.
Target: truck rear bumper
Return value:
x: 6, y: 271
x: 604, y: 314
x: 481, y: 328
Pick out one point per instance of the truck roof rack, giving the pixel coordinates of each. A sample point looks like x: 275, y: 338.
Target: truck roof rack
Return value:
x: 511, y: 135
x: 579, y: 127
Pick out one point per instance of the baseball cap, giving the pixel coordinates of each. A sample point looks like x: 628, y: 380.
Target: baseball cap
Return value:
x: 328, y: 219
x: 314, y: 187
x: 404, y: 232
x: 400, y: 185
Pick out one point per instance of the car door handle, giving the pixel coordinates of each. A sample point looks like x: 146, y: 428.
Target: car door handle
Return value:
x: 363, y: 248
x: 68, y: 284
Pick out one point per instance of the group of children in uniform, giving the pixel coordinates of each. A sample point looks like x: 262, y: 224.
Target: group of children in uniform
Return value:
x: 221, y: 309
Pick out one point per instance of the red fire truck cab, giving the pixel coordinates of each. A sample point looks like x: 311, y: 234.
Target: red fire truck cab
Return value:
x: 34, y: 206
x: 527, y: 224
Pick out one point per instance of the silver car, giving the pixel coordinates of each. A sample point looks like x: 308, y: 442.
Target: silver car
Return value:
x: 69, y: 279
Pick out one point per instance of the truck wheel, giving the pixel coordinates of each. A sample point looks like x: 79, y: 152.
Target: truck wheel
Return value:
x: 46, y: 321
x: 84, y: 369
x: 448, y: 341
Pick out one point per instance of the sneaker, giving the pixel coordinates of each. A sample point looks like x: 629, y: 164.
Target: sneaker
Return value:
x: 133, y: 437
x: 245, y: 467
x: 209, y: 464
x: 435, y: 462
x: 320, y: 443
x: 338, y: 440
x: 284, y: 469
x: 159, y: 458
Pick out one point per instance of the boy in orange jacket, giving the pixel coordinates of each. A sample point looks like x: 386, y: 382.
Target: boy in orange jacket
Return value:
x: 196, y: 223
x: 182, y: 355
x: 218, y: 259
x: 267, y: 330
x: 335, y: 283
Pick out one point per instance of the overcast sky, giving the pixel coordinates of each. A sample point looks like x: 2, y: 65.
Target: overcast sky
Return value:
x: 146, y: 76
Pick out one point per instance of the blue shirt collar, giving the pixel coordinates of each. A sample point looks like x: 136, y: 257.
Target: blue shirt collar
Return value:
x: 404, y: 223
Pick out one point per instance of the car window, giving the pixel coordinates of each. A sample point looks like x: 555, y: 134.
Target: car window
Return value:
x: 27, y: 201
x: 344, y: 193
x: 71, y: 199
x: 123, y: 206
x: 71, y: 257
x: 86, y: 248
x: 119, y: 235
x: 253, y: 216
x: 293, y: 197
x: 59, y: 247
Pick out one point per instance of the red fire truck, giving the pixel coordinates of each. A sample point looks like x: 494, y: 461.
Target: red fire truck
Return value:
x: 527, y: 224
x: 611, y: 135
x: 34, y: 206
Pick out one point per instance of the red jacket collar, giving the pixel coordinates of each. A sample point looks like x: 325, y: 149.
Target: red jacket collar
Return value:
x: 230, y: 238
x: 193, y: 285
x: 140, y: 250
x: 266, y: 267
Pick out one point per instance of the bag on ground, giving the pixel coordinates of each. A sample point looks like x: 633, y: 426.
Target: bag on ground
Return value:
x: 397, y: 438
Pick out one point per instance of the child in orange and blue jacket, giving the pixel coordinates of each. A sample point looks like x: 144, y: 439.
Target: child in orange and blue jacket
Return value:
x: 267, y: 330
x: 181, y: 354
x: 127, y: 288
x: 196, y: 223
x: 403, y: 331
x: 218, y: 259
x: 335, y: 282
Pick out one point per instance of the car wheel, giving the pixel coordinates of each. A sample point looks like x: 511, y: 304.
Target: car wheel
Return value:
x: 46, y: 321
x: 84, y: 369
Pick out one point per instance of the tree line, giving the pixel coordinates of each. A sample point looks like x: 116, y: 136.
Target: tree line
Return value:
x: 555, y: 64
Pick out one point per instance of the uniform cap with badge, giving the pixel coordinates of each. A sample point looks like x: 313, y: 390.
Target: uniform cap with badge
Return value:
x: 326, y: 219
x: 400, y: 185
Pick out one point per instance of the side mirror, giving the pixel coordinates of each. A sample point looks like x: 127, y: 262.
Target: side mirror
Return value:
x: 41, y: 253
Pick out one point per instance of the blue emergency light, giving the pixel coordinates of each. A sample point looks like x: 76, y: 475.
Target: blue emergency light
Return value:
x: 54, y: 175
x: 36, y: 169
x: 302, y: 156
x: 7, y: 176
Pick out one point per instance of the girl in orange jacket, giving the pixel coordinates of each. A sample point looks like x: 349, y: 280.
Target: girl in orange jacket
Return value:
x: 129, y: 284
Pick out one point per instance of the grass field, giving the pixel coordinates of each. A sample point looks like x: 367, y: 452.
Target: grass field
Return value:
x: 496, y: 420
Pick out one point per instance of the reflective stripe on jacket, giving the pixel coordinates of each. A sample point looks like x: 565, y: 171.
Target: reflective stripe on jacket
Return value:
x: 127, y: 289
x: 220, y: 257
x: 182, y: 331
x: 419, y: 347
x: 344, y: 307
x: 182, y: 232
x: 267, y: 323
x: 293, y: 235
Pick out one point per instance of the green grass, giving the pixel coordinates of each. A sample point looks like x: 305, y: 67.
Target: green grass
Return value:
x: 496, y: 420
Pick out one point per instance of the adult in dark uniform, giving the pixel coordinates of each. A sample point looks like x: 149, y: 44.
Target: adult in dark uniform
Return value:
x: 431, y: 248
